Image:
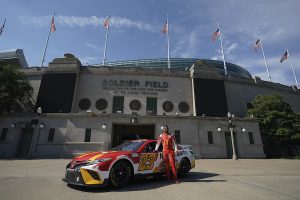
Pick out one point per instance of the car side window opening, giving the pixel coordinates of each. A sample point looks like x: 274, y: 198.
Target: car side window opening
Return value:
x: 149, y: 148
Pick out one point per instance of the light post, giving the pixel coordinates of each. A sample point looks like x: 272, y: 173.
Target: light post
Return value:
x: 231, y: 127
x: 36, y: 132
x: 39, y: 111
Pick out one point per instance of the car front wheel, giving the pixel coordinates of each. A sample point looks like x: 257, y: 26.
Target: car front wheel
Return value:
x: 120, y: 174
x: 184, y: 167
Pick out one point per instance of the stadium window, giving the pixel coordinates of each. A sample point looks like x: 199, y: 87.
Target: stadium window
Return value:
x: 183, y: 107
x: 101, y: 104
x: 168, y: 106
x: 3, y: 134
x: 84, y: 104
x: 177, y: 136
x: 135, y: 105
x: 210, y: 137
x: 87, y: 137
x: 118, y: 104
x: 251, y: 138
x: 51, y: 134
x: 151, y: 107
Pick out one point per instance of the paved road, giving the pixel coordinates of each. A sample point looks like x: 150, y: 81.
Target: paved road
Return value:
x: 211, y: 179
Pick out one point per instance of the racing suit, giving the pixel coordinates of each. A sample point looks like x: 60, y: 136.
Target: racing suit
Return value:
x: 169, y: 145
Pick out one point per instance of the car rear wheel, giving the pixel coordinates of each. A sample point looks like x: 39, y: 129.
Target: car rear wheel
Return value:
x: 120, y: 174
x: 184, y: 167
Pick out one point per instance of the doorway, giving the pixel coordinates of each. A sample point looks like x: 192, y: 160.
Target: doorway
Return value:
x: 122, y: 132
x: 25, y: 142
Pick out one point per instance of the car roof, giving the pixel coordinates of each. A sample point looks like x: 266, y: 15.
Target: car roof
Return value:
x: 144, y: 140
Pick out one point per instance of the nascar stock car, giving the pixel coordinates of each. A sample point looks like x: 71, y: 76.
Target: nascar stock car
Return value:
x: 124, y: 162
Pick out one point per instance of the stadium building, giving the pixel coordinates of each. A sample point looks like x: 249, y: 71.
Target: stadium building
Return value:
x: 93, y: 108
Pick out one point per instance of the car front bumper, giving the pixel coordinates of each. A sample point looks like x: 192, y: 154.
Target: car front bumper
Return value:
x: 84, y: 177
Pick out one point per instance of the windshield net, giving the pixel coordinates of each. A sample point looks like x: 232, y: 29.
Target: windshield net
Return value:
x: 128, y: 146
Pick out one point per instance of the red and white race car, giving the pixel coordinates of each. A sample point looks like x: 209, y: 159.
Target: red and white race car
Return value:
x: 119, y: 165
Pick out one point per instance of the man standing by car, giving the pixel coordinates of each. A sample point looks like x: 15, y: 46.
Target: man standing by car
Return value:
x: 169, y: 145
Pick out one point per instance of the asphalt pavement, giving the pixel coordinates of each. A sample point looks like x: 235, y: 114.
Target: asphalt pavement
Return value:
x: 211, y: 179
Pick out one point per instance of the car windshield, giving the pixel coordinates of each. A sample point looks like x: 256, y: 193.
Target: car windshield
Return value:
x: 128, y: 146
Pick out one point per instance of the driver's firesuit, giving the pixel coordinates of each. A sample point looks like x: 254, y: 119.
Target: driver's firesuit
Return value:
x: 169, y: 145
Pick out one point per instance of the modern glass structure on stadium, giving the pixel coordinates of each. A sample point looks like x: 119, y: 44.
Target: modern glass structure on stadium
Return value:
x: 182, y: 64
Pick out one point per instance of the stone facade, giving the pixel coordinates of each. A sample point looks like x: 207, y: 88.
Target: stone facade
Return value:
x: 88, y: 128
x: 70, y: 129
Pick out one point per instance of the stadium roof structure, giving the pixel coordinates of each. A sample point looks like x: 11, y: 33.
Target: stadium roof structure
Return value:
x: 181, y: 64
x: 14, y: 57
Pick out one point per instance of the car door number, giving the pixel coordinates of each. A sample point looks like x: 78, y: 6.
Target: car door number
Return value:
x: 147, y: 161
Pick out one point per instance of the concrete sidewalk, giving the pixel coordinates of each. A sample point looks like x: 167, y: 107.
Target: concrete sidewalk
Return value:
x: 211, y: 179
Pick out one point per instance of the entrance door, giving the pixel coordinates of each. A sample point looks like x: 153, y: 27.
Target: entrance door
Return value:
x: 25, y: 142
x: 122, y: 132
x: 229, y: 144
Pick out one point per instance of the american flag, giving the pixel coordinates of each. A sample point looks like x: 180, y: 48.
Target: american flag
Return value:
x: 2, y: 27
x: 257, y: 45
x: 215, y: 35
x: 284, y: 57
x: 53, y: 29
x: 106, y: 22
x: 165, y: 28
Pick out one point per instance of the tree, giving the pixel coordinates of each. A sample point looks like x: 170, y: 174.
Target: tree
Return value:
x: 15, y: 90
x: 278, y: 123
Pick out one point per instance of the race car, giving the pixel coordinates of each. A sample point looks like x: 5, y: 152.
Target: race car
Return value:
x: 124, y: 162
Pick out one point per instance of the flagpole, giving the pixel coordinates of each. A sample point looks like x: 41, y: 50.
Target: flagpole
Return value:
x: 225, y: 68
x: 105, y: 46
x: 169, y: 66
x: 46, y: 44
x: 262, y: 49
x: 292, y: 68
x: 106, y: 38
x: 2, y: 28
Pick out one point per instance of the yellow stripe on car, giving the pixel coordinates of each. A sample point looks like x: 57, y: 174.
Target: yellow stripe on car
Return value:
x: 88, y: 179
x: 85, y: 154
x: 95, y: 157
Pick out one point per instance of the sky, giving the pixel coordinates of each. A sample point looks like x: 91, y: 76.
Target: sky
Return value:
x: 136, y: 31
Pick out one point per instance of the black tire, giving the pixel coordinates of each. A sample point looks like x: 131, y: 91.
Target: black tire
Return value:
x: 184, y: 167
x: 120, y: 174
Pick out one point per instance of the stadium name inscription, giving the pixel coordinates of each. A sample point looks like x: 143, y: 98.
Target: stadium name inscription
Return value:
x: 135, y: 87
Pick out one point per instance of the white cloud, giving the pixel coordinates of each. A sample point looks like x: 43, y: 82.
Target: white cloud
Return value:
x: 36, y: 21
x: 279, y: 72
x: 92, y: 46
x: 123, y: 22
x: 74, y: 21
x: 232, y: 47
x: 228, y: 51
x: 79, y: 21
x: 187, y: 46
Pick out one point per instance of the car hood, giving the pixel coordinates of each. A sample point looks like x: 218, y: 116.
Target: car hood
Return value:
x: 91, y: 156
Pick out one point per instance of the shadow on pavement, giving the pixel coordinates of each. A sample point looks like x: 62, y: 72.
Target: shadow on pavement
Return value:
x: 149, y: 184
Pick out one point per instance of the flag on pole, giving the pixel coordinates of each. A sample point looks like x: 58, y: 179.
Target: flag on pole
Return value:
x: 2, y: 27
x: 284, y: 57
x: 165, y: 28
x: 53, y: 29
x: 257, y: 45
x: 215, y: 35
x: 106, y: 22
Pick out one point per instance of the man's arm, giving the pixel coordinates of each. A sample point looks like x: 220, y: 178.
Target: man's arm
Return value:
x: 174, y: 142
x: 158, y: 143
